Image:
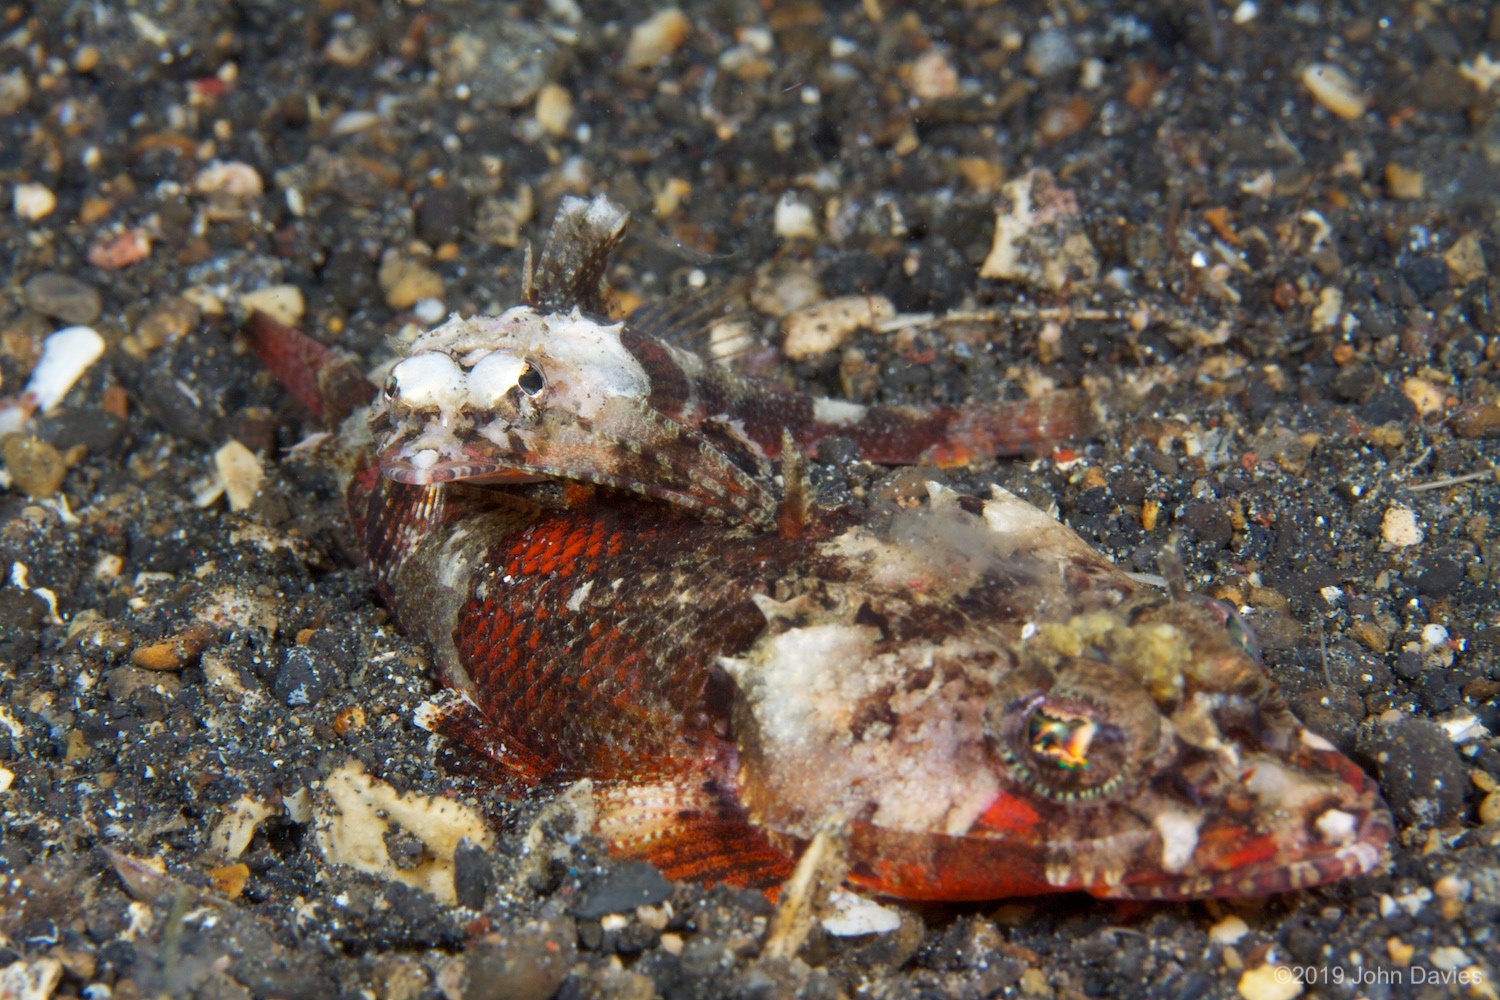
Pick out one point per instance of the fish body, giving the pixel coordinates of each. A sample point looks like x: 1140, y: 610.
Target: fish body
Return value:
x: 981, y: 703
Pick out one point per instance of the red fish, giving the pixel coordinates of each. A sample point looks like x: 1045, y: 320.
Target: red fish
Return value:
x: 983, y: 704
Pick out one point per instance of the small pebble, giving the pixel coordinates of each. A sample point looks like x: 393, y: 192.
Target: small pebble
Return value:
x: 64, y: 298
x: 115, y: 252
x: 36, y: 468
x: 656, y: 38
x: 1466, y: 259
x: 1050, y: 52
x: 34, y: 201
x: 283, y: 303
x: 239, y: 180
x: 554, y: 110
x: 1269, y: 982
x: 825, y: 326
x: 405, y: 282
x: 1429, y: 398
x: 173, y: 653
x: 240, y: 472
x: 1325, y: 315
x: 1404, y: 183
x: 853, y: 915
x: 1450, y: 958
x: 170, y: 319
x: 66, y: 355
x: 429, y: 311
x: 1228, y: 931
x: 15, y: 91
x: 794, y: 220
x: 1399, y: 527
x: 1332, y: 88
x: 932, y: 77
x: 229, y: 881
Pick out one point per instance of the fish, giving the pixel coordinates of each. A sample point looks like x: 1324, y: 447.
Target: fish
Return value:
x: 980, y: 703
x: 548, y: 389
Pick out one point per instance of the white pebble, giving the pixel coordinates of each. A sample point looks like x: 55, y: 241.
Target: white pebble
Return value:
x: 34, y: 201
x: 1399, y: 528
x: 794, y: 220
x: 283, y: 303
x: 1434, y: 635
x: 1450, y: 958
x: 66, y: 355
x: 236, y: 179
x: 429, y: 311
x: 240, y: 472
x: 1332, y: 88
x: 1228, y: 931
x: 656, y: 38
x: 825, y: 326
x: 854, y: 915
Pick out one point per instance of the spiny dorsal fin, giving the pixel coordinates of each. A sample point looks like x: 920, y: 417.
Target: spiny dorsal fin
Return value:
x: 577, y: 251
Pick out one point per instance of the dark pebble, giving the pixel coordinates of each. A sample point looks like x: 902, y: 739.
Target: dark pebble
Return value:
x: 63, y: 298
x: 1426, y: 275
x: 1332, y: 713
x: 836, y: 450
x: 20, y: 608
x: 1421, y: 773
x: 442, y: 214
x: 1441, y: 579
x: 1355, y: 383
x: 304, y: 677
x: 1208, y: 523
x: 631, y: 884
x: 93, y: 428
x: 529, y: 964
x: 1387, y: 405
x: 472, y: 874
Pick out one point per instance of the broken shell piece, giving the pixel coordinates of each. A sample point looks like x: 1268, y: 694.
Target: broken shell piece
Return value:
x: 825, y: 326
x: 1039, y: 236
x: 354, y: 812
x: 851, y: 915
x: 66, y: 355
x: 235, y: 829
x: 240, y: 473
x: 1332, y: 88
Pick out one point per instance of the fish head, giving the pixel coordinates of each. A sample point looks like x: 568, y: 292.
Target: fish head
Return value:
x: 487, y: 398
x: 992, y: 709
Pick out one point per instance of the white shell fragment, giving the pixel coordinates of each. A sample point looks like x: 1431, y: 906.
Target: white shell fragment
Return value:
x: 1399, y: 528
x: 240, y: 472
x: 283, y: 303
x: 825, y: 326
x: 850, y: 915
x: 33, y: 201
x: 1332, y: 88
x: 66, y: 355
x: 794, y: 220
x: 354, y: 812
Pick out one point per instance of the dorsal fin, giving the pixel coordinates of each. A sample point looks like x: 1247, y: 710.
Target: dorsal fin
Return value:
x: 577, y: 251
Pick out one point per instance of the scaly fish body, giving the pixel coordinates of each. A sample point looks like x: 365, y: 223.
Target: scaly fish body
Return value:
x: 984, y: 704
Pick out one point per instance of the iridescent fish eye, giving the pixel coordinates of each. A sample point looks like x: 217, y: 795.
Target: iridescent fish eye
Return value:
x: 1062, y: 739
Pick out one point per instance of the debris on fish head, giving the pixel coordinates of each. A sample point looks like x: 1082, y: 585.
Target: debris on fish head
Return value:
x: 994, y: 710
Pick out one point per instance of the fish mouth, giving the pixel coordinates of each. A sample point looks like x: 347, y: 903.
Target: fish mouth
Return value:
x: 1314, y: 863
x: 429, y: 468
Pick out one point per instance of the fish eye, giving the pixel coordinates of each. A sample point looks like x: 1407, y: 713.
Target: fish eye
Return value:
x: 390, y: 388
x: 530, y: 381
x: 1079, y: 732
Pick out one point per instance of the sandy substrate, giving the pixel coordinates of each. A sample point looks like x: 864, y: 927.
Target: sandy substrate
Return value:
x: 1263, y: 236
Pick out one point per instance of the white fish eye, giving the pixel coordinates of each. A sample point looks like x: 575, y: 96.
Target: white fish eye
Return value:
x: 493, y: 377
x: 428, y: 380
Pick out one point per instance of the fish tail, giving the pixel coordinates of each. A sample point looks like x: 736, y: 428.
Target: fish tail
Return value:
x: 329, y: 386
